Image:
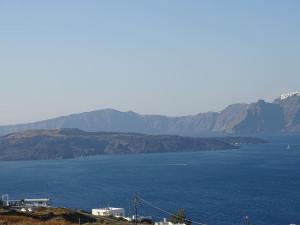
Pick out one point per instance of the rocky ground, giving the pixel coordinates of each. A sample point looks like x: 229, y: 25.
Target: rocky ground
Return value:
x: 55, y: 216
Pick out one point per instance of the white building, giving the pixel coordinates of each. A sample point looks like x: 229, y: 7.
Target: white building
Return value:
x: 109, y: 211
x: 40, y: 202
x: 165, y: 222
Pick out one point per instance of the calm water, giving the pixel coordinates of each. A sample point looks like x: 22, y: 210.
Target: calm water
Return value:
x: 216, y: 188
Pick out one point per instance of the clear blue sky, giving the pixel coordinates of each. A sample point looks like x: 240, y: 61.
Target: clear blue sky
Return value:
x: 171, y: 57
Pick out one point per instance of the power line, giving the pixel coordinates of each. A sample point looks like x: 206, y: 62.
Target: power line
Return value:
x: 165, y: 211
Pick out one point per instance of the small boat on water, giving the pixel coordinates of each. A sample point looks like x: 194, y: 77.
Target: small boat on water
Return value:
x: 288, y: 147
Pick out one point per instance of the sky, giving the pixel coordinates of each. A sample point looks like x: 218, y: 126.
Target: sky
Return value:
x: 171, y: 57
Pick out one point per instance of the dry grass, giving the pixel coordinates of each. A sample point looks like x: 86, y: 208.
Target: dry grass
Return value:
x: 55, y: 216
x: 24, y: 220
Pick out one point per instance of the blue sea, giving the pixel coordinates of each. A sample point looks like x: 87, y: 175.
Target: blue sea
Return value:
x: 214, y: 187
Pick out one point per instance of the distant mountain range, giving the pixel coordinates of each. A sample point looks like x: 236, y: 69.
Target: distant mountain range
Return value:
x: 71, y: 143
x: 278, y: 117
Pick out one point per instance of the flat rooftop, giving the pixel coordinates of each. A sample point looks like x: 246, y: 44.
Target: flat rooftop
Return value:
x: 36, y: 200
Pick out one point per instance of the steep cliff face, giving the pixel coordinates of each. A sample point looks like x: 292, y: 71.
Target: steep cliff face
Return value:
x: 230, y: 117
x: 291, y: 110
x: 261, y: 117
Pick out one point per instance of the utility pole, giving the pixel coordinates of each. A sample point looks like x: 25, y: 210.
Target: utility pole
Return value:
x: 246, y: 220
x: 135, y: 202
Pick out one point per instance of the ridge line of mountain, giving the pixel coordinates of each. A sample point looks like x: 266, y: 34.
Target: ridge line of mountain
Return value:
x: 277, y: 117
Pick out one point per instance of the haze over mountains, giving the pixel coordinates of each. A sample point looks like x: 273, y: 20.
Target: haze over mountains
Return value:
x: 280, y: 116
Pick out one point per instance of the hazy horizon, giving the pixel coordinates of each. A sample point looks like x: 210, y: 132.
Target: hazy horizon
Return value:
x: 171, y: 58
